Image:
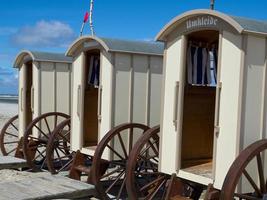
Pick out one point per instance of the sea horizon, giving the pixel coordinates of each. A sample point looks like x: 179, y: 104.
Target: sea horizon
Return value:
x: 9, y: 98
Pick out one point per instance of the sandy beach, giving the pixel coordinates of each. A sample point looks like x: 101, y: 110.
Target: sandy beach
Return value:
x: 7, y: 110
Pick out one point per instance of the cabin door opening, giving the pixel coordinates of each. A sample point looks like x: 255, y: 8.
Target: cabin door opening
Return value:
x: 197, y: 145
x: 29, y: 95
x: 90, y: 110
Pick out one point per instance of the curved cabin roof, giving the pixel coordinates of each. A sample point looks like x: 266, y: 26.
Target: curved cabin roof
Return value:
x: 240, y: 24
x: 25, y: 56
x: 116, y: 45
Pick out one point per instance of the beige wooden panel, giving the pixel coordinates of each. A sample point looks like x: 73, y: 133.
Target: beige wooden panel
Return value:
x: 122, y: 85
x: 36, y: 90
x: 140, y: 90
x: 63, y: 83
x: 253, y: 105
x: 122, y: 93
x: 227, y: 140
x: 107, y: 91
x: 169, y: 136
x: 76, y: 115
x: 156, y: 67
x: 253, y: 86
x: 21, y: 101
x: 47, y: 87
x: 47, y: 91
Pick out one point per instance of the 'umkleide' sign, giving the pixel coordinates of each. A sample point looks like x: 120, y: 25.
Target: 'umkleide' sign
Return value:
x: 202, y: 22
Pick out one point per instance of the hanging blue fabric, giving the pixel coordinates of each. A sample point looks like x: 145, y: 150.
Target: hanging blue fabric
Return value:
x: 199, y: 65
x: 95, y: 71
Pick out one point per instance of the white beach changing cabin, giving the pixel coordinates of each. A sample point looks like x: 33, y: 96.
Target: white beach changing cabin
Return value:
x: 214, y: 100
x: 114, y: 81
x: 44, y: 85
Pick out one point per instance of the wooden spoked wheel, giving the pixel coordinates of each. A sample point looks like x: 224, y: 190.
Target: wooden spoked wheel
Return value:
x: 9, y: 137
x: 143, y: 179
x: 109, y: 176
x: 58, y: 153
x: 248, y: 167
x: 36, y: 138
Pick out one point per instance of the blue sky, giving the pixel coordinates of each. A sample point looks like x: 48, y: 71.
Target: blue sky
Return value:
x: 51, y: 25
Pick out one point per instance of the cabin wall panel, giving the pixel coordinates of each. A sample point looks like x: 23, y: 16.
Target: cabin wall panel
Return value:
x: 36, y: 89
x: 123, y: 96
x: 156, y: 71
x: 140, y: 90
x: 107, y: 90
x: 76, y: 116
x: 230, y: 78
x: 253, y: 97
x: 21, y: 101
x: 48, y: 97
x: 122, y: 91
x: 254, y: 90
x: 169, y: 137
x: 63, y: 83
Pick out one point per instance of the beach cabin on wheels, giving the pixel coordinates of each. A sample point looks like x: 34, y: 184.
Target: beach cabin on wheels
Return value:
x: 114, y: 81
x: 44, y: 85
x: 214, y: 100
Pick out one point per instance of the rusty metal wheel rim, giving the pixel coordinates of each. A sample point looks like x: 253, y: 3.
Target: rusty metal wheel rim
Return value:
x: 118, y: 169
x: 59, y: 155
x: 34, y: 147
x: 238, y: 170
x: 10, y: 130
x: 143, y: 179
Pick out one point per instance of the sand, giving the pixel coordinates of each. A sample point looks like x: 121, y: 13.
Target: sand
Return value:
x: 7, y: 110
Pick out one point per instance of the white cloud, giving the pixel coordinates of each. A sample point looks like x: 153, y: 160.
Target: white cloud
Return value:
x: 8, y: 77
x: 44, y: 34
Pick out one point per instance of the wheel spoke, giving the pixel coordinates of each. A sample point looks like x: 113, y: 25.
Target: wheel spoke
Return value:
x: 112, y: 172
x: 121, y: 188
x: 40, y: 153
x: 131, y: 139
x: 11, y: 142
x: 47, y: 126
x: 150, y: 197
x: 261, y: 174
x: 40, y: 131
x: 14, y: 126
x: 123, y: 146
x: 42, y: 166
x: 67, y: 164
x: 115, y: 181
x: 253, y: 184
x: 59, y: 156
x: 12, y: 150
x: 55, y: 125
x: 152, y: 183
x: 63, y: 136
x: 247, y: 197
x: 153, y: 147
x: 11, y: 134
x: 114, y: 151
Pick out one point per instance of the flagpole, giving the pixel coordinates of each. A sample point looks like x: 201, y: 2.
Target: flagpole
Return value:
x: 91, y: 17
x: 212, y: 4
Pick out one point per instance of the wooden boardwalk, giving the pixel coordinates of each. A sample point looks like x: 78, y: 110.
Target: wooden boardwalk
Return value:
x: 10, y: 162
x: 45, y: 187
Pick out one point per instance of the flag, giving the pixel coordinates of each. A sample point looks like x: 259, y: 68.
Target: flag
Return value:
x: 86, y: 17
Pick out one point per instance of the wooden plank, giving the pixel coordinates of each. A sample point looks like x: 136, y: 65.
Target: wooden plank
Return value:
x: 9, y: 162
x: 45, y: 187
